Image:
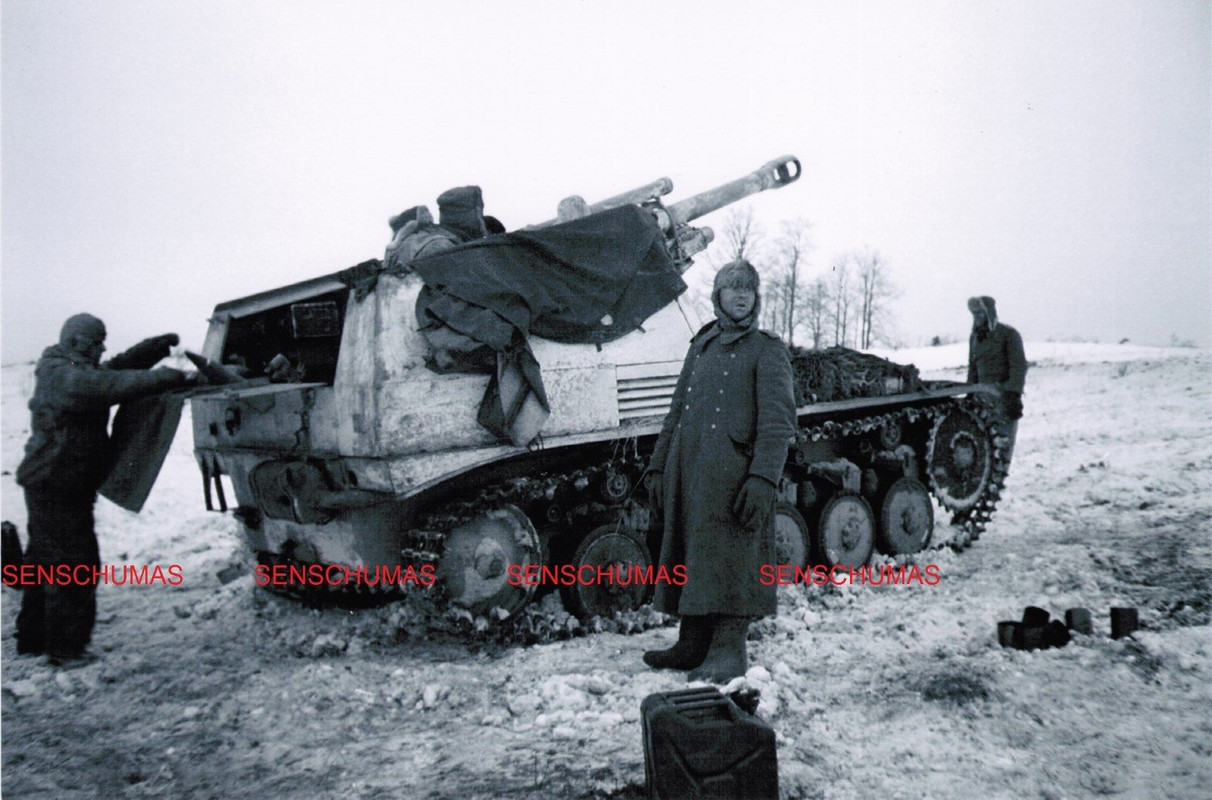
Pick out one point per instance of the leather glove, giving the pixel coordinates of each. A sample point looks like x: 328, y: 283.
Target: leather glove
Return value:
x: 655, y: 482
x: 163, y: 342
x: 146, y: 353
x: 154, y: 348
x: 158, y: 346
x: 754, y: 502
x: 1012, y: 402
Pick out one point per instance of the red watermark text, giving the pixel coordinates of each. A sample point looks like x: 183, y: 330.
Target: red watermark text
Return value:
x: 846, y: 575
x: 21, y: 576
x: 341, y: 575
x: 595, y: 575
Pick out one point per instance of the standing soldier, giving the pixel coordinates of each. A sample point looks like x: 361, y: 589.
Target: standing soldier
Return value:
x: 66, y: 460
x: 715, y: 470
x: 995, y: 355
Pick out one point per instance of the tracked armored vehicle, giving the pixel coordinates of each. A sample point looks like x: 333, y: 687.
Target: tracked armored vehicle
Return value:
x: 365, y: 459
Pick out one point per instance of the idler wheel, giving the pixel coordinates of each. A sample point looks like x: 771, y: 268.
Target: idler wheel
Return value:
x: 845, y: 531
x: 959, y: 460
x: 906, y: 517
x: 792, y: 542
x: 475, y: 562
x: 616, y: 550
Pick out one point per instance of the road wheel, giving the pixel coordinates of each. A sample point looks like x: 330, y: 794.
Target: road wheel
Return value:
x: 619, y: 549
x: 906, y: 517
x: 475, y: 562
x: 890, y: 435
x: 792, y: 541
x: 844, y: 531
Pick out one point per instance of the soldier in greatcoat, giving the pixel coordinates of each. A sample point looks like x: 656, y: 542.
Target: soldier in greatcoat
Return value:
x: 715, y: 470
x: 996, y: 356
x: 66, y: 460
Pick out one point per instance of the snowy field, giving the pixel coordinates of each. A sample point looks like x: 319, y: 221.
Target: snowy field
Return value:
x: 211, y: 690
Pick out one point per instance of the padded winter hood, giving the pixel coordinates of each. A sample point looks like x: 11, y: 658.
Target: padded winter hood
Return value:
x: 80, y: 326
x: 987, y: 305
x: 738, y: 274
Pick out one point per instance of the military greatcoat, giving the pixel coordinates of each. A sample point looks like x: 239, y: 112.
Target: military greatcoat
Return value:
x: 732, y: 416
x: 997, y: 357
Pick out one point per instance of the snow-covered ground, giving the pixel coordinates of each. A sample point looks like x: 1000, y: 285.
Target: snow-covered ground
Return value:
x: 955, y: 356
x: 211, y: 690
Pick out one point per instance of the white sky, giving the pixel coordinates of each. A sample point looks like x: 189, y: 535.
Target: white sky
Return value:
x: 158, y: 158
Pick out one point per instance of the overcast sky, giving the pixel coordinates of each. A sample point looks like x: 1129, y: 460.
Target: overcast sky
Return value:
x: 158, y: 158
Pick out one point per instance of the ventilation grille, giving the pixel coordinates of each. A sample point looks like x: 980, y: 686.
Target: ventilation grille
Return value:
x: 645, y: 390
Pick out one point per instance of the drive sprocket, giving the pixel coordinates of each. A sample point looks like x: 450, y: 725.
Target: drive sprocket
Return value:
x: 978, y: 420
x: 959, y: 460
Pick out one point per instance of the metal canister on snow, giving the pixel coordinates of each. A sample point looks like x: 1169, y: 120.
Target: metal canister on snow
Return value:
x: 1007, y: 630
x: 1078, y: 620
x: 1124, y: 622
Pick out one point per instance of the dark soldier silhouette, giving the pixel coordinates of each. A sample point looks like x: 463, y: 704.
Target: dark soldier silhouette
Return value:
x: 995, y: 355
x: 66, y: 459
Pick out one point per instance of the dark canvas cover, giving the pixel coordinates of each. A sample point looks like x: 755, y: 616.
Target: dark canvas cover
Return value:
x: 593, y: 279
x: 140, y: 436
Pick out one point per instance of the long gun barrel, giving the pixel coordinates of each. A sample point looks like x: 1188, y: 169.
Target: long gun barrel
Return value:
x: 683, y: 240
x: 772, y: 175
x: 577, y: 207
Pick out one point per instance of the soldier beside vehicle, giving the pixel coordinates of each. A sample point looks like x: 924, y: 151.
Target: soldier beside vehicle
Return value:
x: 715, y: 470
x: 996, y: 356
x: 66, y: 460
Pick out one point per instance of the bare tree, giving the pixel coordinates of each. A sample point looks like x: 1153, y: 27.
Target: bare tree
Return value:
x: 740, y: 236
x: 849, y: 304
x: 816, y: 310
x: 874, y: 289
x: 786, y: 289
x: 841, y: 295
x: 771, y: 313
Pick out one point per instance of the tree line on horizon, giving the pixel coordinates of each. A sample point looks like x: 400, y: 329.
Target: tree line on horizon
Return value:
x: 846, y: 305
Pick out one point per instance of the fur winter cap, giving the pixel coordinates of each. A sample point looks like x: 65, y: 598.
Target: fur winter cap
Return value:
x: 461, y: 197
x: 81, y: 326
x: 987, y: 305
x: 419, y: 214
x: 462, y: 210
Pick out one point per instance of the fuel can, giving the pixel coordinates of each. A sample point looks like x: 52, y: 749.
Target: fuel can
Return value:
x: 699, y: 743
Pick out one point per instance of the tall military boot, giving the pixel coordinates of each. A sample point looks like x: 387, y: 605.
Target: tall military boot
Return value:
x: 726, y: 659
x: 694, y: 637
